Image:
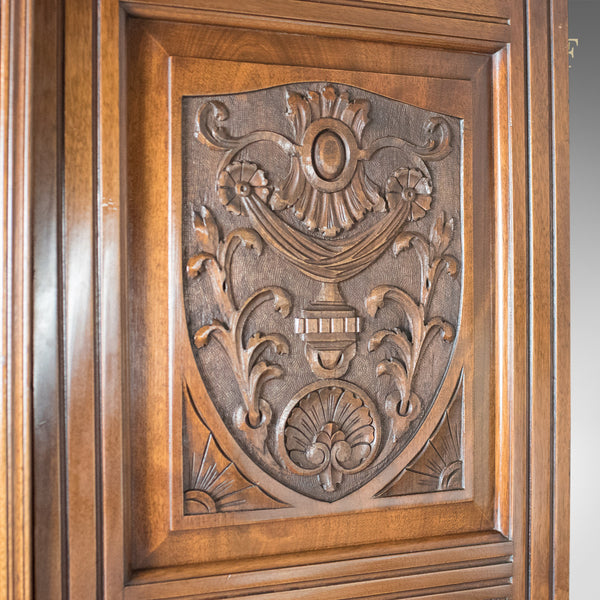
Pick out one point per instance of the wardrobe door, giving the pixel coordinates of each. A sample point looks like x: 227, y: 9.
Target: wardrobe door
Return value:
x: 310, y: 302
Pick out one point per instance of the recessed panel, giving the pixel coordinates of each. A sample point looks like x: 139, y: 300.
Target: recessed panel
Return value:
x: 302, y: 263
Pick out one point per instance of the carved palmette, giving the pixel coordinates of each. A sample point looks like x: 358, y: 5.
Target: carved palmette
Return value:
x: 322, y: 248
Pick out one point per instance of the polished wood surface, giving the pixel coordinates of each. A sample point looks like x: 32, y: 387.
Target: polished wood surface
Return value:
x: 156, y: 341
x: 15, y: 301
x: 113, y: 425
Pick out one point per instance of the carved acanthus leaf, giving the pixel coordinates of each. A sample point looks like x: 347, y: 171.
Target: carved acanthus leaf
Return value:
x: 403, y: 405
x: 207, y: 231
x: 251, y: 373
x: 432, y: 253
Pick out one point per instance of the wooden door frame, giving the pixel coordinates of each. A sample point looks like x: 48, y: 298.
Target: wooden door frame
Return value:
x: 62, y: 238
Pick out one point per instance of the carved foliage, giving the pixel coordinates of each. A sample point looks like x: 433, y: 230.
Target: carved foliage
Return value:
x: 251, y: 372
x: 211, y: 482
x: 403, y: 405
x: 439, y: 466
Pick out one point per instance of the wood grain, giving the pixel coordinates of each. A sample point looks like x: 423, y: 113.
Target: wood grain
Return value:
x: 562, y: 306
x: 16, y: 26
x: 79, y: 281
x: 49, y: 558
x: 342, y: 576
x: 360, y: 20
x: 111, y: 248
x: 548, y: 218
x: 92, y: 184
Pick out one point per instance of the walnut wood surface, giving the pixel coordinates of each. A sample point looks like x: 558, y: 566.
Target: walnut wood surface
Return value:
x: 16, y: 27
x: 128, y: 480
x: 194, y: 76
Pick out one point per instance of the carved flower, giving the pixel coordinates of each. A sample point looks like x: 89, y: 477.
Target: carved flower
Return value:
x: 410, y: 185
x: 327, y: 184
x: 328, y: 433
x: 238, y: 181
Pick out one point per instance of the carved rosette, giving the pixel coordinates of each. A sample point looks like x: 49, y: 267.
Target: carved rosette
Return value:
x: 412, y: 187
x: 238, y: 181
x: 327, y: 216
x: 331, y: 431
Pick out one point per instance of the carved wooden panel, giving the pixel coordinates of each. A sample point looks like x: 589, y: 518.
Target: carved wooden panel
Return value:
x: 322, y: 252
x: 309, y: 298
x: 304, y: 281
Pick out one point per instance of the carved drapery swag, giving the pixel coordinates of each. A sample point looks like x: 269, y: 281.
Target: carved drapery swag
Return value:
x: 322, y: 260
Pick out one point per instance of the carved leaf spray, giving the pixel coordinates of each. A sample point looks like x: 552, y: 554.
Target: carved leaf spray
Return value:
x: 403, y: 405
x: 251, y: 372
x: 331, y: 428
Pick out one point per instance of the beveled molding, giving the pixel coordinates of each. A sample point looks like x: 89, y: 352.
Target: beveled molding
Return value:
x: 386, y: 20
x: 493, y: 11
x: 441, y: 574
x: 16, y: 469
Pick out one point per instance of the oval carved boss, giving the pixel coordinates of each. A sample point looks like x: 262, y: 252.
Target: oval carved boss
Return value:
x: 329, y: 155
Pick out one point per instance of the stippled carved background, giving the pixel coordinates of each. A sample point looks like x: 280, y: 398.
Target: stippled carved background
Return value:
x: 322, y: 253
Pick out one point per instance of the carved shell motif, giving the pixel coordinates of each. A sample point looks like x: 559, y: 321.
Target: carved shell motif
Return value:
x: 330, y: 432
x: 327, y: 184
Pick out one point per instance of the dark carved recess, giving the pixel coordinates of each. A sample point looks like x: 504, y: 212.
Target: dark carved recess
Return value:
x: 322, y: 248
x: 439, y: 466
